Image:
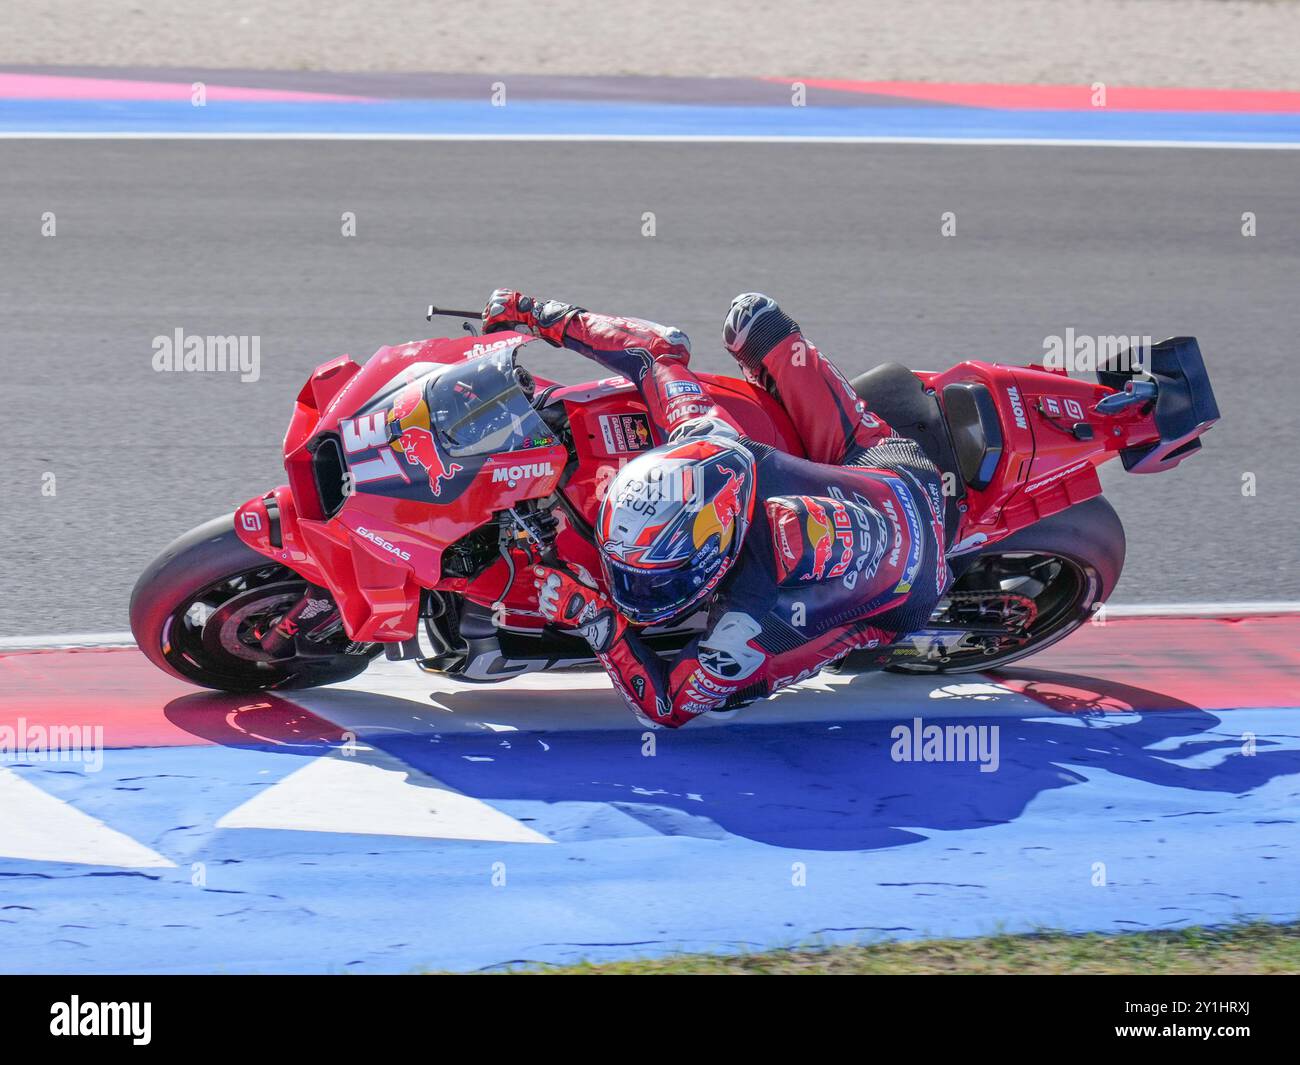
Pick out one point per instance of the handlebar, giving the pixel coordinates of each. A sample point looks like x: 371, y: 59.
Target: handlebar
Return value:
x: 449, y: 313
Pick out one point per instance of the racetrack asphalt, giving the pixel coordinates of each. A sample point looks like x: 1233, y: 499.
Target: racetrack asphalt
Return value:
x: 235, y: 237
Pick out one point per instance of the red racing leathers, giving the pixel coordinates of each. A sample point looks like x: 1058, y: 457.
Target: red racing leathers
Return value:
x: 846, y: 548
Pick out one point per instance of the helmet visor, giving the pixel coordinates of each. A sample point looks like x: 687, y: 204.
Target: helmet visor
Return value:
x: 646, y: 596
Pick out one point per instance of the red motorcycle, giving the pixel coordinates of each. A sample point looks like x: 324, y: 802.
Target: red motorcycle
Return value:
x: 423, y: 485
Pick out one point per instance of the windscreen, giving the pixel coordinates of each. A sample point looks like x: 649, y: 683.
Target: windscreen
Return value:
x: 478, y: 408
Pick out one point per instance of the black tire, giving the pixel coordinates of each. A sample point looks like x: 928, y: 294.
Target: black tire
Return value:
x: 1088, y: 543
x: 199, y: 568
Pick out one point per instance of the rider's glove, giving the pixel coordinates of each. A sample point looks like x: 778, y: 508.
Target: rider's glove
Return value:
x: 569, y: 603
x: 508, y: 309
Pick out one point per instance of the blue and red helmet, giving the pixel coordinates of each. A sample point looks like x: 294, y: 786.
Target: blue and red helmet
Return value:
x: 672, y: 525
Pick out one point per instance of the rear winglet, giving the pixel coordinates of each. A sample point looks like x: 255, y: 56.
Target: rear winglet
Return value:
x: 1185, y: 405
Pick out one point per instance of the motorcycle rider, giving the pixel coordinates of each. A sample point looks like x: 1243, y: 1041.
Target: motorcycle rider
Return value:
x: 798, y: 560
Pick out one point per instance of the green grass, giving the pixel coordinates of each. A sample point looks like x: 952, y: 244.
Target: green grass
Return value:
x: 1245, y: 948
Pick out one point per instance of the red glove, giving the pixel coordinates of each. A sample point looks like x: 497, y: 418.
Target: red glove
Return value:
x: 508, y: 309
x: 566, y: 602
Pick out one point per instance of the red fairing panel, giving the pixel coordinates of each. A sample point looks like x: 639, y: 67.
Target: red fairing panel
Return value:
x: 1046, y: 465
x: 409, y: 500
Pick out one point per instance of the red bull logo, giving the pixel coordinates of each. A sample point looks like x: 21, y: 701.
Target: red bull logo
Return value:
x: 843, y: 537
x: 719, y: 517
x: 826, y: 530
x: 821, y: 536
x: 416, y: 442
x: 407, y: 400
x: 727, y: 501
x: 420, y: 449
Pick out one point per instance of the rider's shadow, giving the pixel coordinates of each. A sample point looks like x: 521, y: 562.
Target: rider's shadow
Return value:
x: 843, y: 785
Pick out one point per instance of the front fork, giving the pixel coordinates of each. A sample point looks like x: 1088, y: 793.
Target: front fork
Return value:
x: 311, y: 620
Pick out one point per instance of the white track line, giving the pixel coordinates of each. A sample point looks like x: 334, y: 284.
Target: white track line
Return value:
x: 1200, y: 610
x: 72, y: 639
x: 1113, y: 610
x: 653, y: 138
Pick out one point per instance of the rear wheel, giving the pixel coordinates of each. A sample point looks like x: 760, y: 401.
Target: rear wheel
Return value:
x: 1022, y: 594
x: 200, y: 610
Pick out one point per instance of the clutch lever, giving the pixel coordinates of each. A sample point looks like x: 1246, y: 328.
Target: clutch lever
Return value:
x: 467, y: 325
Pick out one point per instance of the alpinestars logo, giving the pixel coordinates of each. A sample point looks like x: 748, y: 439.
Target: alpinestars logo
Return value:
x: 512, y: 475
x: 746, y: 309
x: 726, y: 652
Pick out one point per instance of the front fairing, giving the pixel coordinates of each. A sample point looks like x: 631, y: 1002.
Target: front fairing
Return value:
x: 391, y: 463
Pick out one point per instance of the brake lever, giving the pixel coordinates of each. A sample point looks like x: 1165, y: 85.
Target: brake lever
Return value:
x: 467, y: 325
x: 448, y: 313
x: 542, y: 551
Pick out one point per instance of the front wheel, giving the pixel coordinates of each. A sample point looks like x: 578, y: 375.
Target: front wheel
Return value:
x: 199, y: 610
x: 1020, y: 595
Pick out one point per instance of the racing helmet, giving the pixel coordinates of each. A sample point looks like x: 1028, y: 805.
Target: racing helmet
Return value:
x: 672, y: 525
